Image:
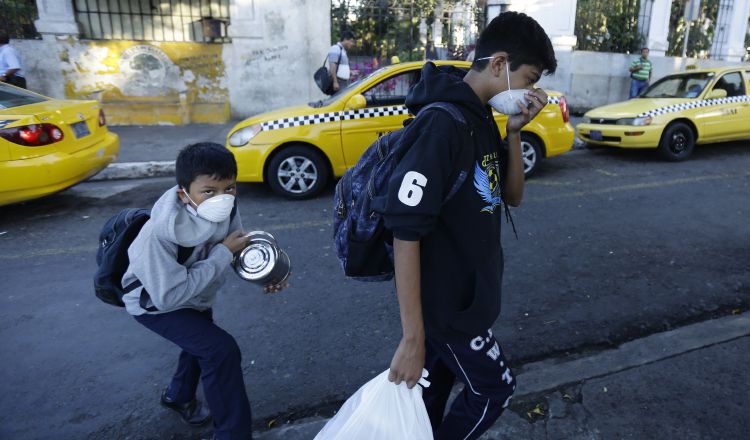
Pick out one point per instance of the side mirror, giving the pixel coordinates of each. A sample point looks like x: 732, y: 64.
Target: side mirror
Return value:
x: 356, y: 102
x: 717, y: 94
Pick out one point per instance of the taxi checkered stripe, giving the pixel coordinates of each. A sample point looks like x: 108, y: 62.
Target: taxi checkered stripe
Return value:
x: 374, y: 112
x: 694, y: 104
x: 298, y: 121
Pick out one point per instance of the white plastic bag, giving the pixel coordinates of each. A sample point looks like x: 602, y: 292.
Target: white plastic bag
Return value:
x: 381, y: 410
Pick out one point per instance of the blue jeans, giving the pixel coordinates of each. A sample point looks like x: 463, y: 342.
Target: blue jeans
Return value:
x: 488, y: 385
x: 210, y: 354
x: 637, y: 86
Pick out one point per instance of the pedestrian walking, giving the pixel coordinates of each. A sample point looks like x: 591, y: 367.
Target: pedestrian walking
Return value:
x: 338, y: 61
x: 640, y: 74
x: 11, y: 69
x: 448, y: 257
x: 174, y: 300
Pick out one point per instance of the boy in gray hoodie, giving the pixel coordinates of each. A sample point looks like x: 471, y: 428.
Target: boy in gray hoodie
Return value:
x: 197, y: 220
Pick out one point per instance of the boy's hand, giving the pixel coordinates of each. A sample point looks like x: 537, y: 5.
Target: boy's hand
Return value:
x: 537, y: 100
x: 235, y: 241
x: 408, y: 362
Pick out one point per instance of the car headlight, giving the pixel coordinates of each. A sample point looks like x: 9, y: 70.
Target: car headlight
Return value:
x: 243, y: 135
x: 585, y: 120
x: 646, y: 120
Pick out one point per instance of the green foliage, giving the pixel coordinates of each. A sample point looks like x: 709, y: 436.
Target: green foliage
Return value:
x: 701, y: 31
x: 18, y: 18
x: 608, y: 26
x: 386, y: 27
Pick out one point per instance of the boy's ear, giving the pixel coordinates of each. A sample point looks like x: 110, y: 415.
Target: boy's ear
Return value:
x: 181, y: 194
x: 497, y: 64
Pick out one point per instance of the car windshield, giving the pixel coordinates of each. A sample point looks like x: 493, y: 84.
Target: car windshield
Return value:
x: 679, y: 86
x: 12, y: 97
x: 341, y: 92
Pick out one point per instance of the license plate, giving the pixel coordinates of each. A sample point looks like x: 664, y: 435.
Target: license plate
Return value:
x: 595, y: 135
x: 80, y: 129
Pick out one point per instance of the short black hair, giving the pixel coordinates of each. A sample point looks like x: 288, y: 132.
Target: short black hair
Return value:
x: 204, y: 158
x: 521, y: 37
x: 347, y: 34
x: 4, y: 39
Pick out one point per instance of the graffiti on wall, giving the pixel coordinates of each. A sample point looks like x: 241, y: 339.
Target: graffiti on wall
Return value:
x: 148, y: 83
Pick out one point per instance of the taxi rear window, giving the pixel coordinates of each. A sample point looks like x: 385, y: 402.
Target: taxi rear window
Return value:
x: 11, y: 97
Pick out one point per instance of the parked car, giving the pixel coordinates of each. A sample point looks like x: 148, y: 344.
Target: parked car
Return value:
x: 676, y: 113
x: 47, y: 145
x: 296, y: 150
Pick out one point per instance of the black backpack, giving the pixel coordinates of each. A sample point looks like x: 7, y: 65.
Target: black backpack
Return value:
x: 362, y: 243
x: 112, y: 257
x: 323, y: 77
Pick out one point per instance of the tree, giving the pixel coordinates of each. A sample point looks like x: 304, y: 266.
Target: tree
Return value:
x: 701, y: 31
x: 608, y: 26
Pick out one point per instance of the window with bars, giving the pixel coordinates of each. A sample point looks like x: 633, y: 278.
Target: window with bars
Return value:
x: 154, y: 20
x: 18, y: 18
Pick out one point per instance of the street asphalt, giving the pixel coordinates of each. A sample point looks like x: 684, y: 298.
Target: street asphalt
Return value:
x: 609, y: 395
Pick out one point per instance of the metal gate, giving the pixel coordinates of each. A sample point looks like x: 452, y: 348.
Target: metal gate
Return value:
x: 412, y: 30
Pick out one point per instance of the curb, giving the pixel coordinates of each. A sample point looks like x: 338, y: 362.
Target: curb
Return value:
x: 135, y: 170
x: 548, y: 375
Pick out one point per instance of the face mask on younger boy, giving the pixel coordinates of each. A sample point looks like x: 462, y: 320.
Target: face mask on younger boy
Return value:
x: 216, y: 209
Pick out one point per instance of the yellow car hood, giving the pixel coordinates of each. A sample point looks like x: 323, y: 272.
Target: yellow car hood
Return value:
x: 632, y: 107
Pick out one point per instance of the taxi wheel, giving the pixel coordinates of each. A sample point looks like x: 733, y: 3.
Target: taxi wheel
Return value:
x: 297, y: 172
x: 677, y: 142
x: 531, y: 151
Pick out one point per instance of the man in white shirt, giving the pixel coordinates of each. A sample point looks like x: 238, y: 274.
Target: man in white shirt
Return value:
x: 338, y: 61
x: 10, y: 63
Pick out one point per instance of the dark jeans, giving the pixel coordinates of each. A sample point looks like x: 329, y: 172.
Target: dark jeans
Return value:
x: 488, y: 386
x: 637, y: 86
x: 209, y: 354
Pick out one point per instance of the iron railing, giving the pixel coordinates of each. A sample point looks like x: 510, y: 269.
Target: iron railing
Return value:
x: 151, y: 20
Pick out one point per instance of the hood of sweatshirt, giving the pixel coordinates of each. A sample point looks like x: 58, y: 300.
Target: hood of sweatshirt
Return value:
x: 173, y: 222
x: 444, y: 84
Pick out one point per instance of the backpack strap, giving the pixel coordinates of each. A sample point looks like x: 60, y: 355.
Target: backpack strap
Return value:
x: 466, y: 157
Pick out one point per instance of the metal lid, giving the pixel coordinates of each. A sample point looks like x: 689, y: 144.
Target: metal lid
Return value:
x: 257, y: 260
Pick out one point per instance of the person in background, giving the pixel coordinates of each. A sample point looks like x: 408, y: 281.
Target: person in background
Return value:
x: 11, y: 71
x: 640, y: 74
x: 338, y: 61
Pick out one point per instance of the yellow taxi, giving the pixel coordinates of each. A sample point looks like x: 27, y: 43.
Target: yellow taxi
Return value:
x: 296, y: 150
x: 47, y: 145
x: 676, y: 113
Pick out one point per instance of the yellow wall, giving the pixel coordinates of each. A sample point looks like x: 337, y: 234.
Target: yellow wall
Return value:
x: 143, y: 83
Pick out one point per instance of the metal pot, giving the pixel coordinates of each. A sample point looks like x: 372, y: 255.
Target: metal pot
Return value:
x: 261, y: 261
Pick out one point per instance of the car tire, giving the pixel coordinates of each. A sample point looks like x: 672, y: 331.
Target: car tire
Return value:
x: 531, y: 152
x: 297, y: 172
x: 677, y: 142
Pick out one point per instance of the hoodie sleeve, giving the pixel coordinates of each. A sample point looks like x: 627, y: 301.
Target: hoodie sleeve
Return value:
x: 419, y: 183
x: 173, y: 284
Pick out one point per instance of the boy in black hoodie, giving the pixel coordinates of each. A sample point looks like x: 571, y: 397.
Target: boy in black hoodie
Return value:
x: 448, y: 257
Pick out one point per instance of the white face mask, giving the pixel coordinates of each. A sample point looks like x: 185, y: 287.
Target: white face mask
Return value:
x: 505, y: 102
x: 216, y: 209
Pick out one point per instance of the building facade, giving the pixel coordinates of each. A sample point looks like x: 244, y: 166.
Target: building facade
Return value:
x: 210, y: 61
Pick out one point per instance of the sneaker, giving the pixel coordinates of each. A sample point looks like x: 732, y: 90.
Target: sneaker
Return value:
x: 193, y: 413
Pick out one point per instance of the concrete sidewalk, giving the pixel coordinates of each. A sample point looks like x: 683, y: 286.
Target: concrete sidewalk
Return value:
x: 150, y: 151
x: 689, y: 383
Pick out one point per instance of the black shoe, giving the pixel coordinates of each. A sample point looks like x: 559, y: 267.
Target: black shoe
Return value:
x: 193, y: 413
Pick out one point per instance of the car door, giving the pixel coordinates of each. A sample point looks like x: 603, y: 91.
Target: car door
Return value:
x: 729, y: 117
x: 384, y: 112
